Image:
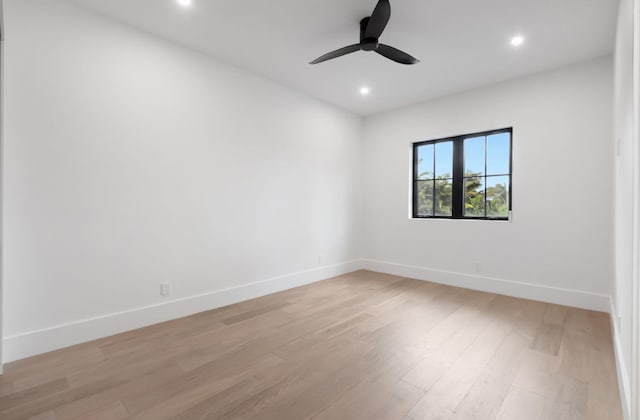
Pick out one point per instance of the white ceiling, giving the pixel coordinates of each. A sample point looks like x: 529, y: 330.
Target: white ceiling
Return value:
x: 462, y: 43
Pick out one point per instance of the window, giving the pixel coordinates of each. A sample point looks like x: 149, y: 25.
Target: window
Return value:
x: 463, y: 177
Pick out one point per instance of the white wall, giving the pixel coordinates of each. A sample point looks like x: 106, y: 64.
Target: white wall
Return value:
x: 635, y: 362
x: 625, y: 194
x: 1, y: 159
x: 558, y: 246
x: 131, y: 161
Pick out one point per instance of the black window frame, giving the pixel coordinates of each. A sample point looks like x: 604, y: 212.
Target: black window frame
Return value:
x: 457, y: 204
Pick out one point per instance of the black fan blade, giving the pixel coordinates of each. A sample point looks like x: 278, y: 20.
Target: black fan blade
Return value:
x: 396, y: 55
x: 379, y: 19
x: 337, y: 53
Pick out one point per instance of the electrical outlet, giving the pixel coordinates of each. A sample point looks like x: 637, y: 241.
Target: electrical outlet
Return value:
x: 165, y: 289
x: 320, y: 260
x: 478, y: 268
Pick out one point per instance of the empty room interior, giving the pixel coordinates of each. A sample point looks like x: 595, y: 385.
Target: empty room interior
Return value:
x: 320, y: 209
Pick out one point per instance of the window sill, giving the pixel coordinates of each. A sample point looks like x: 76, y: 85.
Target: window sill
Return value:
x: 508, y: 220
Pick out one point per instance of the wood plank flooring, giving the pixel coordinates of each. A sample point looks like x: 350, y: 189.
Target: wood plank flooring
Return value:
x: 359, y: 346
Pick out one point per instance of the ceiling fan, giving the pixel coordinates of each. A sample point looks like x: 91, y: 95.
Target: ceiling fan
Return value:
x: 370, y: 30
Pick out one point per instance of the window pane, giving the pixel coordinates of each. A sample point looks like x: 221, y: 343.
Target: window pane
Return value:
x: 474, y: 197
x: 498, y: 154
x: 474, y: 156
x: 443, y: 199
x: 444, y: 159
x: 425, y: 162
x: 425, y: 198
x: 498, y: 196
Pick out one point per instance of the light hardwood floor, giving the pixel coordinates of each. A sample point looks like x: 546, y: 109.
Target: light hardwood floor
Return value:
x: 359, y: 346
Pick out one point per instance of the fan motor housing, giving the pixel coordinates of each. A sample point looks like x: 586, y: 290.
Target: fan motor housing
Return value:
x: 369, y: 44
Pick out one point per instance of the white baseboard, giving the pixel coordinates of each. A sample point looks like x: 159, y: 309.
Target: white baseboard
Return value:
x: 623, y: 379
x: 567, y: 297
x: 32, y: 343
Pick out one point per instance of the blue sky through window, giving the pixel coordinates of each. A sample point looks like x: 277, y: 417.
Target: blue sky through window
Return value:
x: 496, y: 147
x: 474, y: 155
x: 425, y: 161
x: 444, y: 160
x: 497, y: 154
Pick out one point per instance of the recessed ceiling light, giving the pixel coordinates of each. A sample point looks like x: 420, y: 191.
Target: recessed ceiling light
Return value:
x: 364, y: 91
x: 516, y: 41
x: 184, y: 3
